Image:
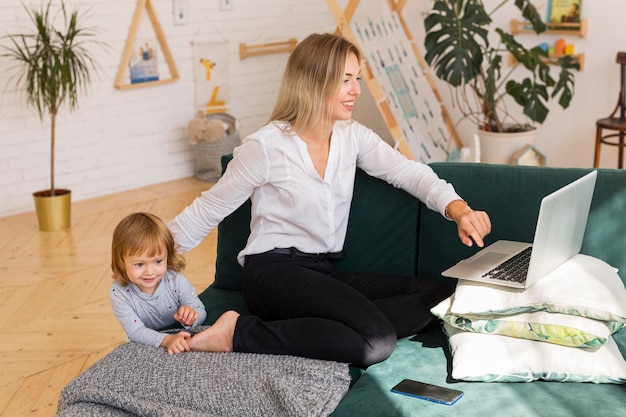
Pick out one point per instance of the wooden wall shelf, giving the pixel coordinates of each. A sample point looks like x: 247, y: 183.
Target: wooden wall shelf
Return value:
x: 579, y: 57
x: 246, y: 50
x: 130, y: 44
x: 554, y: 28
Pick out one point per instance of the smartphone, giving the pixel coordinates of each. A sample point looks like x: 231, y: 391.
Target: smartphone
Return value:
x: 429, y: 392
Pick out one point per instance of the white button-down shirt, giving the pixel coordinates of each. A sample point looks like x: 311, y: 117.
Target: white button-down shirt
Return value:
x: 291, y: 204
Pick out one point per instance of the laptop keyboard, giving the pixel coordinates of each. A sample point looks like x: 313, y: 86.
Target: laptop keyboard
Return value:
x: 513, y: 269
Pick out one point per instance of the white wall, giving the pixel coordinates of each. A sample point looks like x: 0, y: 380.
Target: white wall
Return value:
x: 124, y: 139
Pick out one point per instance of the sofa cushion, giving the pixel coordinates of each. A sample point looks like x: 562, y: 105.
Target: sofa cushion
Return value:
x: 583, y: 286
x: 232, y: 234
x: 382, y: 229
x: 562, y: 329
x: 494, y: 358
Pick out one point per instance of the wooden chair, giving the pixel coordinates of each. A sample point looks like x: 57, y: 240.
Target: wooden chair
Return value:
x: 615, y: 122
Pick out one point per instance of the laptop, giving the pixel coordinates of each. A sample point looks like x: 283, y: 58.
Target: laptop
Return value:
x: 558, y: 236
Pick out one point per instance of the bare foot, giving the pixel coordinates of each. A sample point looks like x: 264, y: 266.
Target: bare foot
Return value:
x: 217, y: 338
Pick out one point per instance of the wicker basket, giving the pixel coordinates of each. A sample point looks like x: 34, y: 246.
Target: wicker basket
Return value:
x: 208, y: 154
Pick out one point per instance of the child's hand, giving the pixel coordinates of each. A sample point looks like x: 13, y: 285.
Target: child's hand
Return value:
x: 186, y: 315
x: 176, y: 343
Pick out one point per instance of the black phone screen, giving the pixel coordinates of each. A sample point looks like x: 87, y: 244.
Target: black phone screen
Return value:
x: 441, y: 395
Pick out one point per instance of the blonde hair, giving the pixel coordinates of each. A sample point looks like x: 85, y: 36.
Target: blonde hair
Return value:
x: 312, y: 77
x: 138, y: 233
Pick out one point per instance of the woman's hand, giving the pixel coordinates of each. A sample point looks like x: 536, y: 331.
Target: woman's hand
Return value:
x: 186, y: 315
x: 471, y: 224
x: 176, y: 343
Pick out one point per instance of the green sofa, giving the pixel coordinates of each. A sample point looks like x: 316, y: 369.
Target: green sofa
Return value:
x: 393, y: 232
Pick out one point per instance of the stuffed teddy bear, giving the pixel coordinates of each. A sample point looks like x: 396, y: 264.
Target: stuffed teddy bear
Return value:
x: 206, y: 129
x: 211, y: 136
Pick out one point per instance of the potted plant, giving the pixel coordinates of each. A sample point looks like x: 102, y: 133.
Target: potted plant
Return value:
x: 53, y: 66
x: 459, y: 49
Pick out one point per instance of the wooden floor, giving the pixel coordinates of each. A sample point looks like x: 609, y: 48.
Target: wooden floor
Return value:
x: 56, y: 316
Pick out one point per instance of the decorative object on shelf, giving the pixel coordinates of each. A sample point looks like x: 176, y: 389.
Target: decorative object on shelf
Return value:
x: 141, y: 59
x: 553, y: 53
x: 143, y: 65
x: 212, y: 136
x: 616, y: 122
x: 211, y: 70
x: 469, y: 61
x: 529, y: 155
x: 68, y: 61
x: 246, y: 50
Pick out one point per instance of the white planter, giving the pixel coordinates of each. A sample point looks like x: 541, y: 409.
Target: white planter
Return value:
x: 499, y: 147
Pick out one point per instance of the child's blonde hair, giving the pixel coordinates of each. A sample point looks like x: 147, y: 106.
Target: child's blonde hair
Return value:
x: 138, y: 233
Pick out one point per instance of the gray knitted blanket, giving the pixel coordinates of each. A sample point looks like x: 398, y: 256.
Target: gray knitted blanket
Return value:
x: 139, y: 380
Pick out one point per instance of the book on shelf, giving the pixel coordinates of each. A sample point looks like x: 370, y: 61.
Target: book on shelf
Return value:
x: 564, y: 11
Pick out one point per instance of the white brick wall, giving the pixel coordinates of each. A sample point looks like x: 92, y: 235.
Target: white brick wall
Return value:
x: 124, y: 139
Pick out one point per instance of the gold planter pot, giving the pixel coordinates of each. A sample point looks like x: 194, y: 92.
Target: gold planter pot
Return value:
x: 53, y: 212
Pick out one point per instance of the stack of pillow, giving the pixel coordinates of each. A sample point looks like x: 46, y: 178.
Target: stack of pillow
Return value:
x: 559, y: 329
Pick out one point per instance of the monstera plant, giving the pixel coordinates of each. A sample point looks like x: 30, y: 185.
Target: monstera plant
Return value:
x: 461, y: 48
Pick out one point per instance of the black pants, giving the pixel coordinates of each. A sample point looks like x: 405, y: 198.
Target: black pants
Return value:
x: 302, y: 306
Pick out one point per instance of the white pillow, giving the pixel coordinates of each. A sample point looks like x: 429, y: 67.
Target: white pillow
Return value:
x: 494, y: 358
x: 583, y: 286
x: 561, y: 329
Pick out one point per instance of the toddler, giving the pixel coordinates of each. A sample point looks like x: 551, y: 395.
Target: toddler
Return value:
x: 150, y: 292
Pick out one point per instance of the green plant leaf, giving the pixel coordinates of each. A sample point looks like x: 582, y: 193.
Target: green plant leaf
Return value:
x: 531, y: 96
x: 530, y: 13
x: 455, y: 39
x: 565, y: 83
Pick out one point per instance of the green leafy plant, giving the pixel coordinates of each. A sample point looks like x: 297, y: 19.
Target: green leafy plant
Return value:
x: 459, y: 50
x: 53, y: 66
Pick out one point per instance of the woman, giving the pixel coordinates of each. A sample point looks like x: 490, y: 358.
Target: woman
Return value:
x: 299, y: 172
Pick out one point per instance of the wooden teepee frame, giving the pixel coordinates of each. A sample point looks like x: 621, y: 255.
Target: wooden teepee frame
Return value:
x: 343, y: 18
x: 130, y: 42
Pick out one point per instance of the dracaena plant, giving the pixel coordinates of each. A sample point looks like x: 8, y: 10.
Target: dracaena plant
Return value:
x: 53, y: 65
x: 460, y: 51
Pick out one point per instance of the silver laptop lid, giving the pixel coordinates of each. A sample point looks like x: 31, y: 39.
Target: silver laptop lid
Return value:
x: 560, y: 226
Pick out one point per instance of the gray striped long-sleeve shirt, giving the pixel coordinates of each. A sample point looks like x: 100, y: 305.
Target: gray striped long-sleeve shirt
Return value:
x: 141, y: 314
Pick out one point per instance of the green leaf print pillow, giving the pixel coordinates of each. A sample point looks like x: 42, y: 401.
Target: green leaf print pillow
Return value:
x: 560, y: 329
